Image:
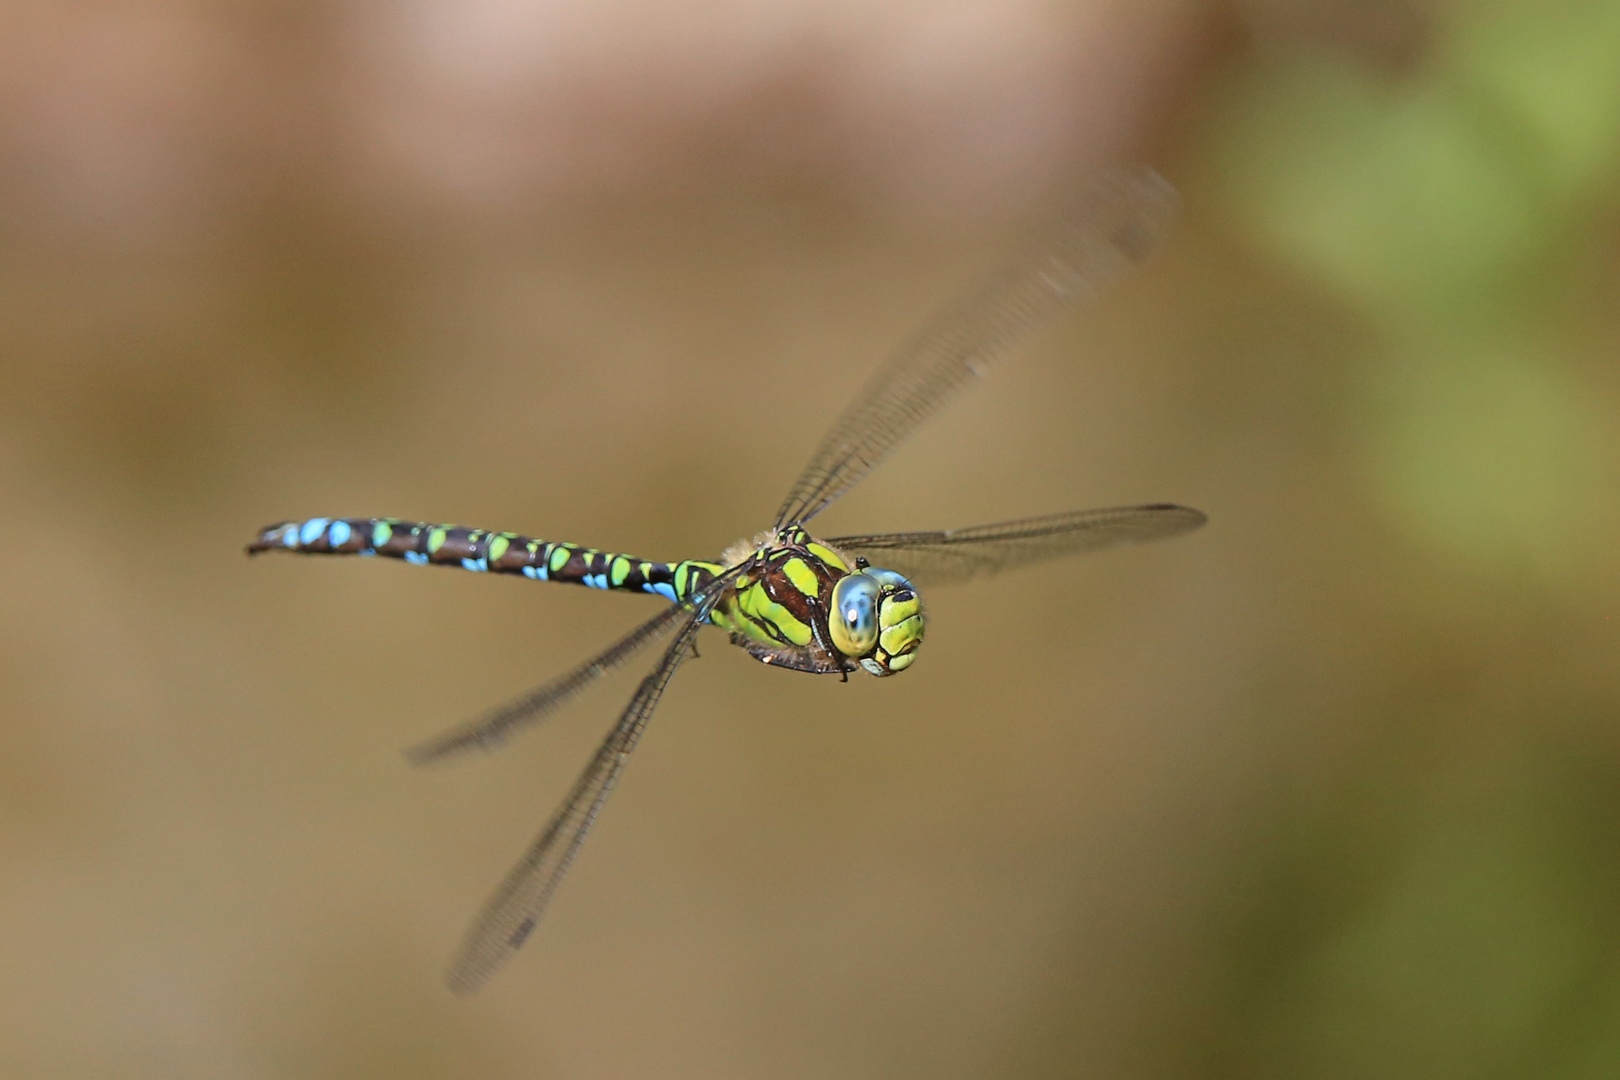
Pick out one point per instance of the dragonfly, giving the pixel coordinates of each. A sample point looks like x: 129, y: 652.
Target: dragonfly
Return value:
x: 831, y: 606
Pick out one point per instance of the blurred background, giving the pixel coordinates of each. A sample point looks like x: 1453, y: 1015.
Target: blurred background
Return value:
x: 1329, y: 789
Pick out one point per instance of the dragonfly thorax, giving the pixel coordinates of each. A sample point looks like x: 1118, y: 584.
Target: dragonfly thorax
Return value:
x: 803, y: 604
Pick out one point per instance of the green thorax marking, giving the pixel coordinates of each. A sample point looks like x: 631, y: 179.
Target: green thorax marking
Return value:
x: 781, y: 601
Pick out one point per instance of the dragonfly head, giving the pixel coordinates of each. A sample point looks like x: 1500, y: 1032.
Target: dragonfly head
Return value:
x: 877, y: 619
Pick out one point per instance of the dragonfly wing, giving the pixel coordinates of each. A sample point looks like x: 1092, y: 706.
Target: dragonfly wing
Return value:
x: 938, y: 558
x: 513, y: 911
x: 490, y: 731
x: 1119, y: 222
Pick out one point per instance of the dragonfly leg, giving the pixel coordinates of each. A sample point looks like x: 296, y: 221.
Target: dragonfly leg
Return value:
x: 818, y: 629
x: 788, y: 657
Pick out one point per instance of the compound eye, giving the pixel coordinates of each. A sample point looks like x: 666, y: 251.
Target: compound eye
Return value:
x: 854, y: 622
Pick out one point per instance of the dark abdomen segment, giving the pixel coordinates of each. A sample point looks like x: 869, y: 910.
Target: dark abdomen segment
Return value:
x: 491, y: 552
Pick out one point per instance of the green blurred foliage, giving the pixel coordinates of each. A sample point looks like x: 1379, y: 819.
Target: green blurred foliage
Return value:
x: 1443, y: 203
x: 1460, y: 208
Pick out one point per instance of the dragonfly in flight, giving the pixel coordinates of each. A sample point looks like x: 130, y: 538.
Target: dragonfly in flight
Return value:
x: 830, y: 606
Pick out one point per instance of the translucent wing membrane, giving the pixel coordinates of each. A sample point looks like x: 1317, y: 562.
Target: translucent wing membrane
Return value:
x: 514, y: 910
x: 940, y: 558
x: 1119, y: 223
x: 490, y: 731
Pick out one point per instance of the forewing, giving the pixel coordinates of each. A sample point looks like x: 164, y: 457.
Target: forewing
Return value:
x: 490, y: 731
x: 512, y: 912
x: 1117, y: 224
x: 939, y: 558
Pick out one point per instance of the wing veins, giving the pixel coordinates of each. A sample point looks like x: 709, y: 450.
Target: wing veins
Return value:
x: 515, y: 908
x: 954, y: 555
x: 491, y: 730
x: 1122, y: 218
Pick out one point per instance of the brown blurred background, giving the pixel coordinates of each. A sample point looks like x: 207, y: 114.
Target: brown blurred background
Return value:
x: 1330, y: 789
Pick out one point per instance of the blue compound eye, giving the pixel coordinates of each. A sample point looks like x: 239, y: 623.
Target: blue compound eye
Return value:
x: 854, y: 621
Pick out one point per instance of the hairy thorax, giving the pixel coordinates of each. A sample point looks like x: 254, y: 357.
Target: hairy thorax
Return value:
x: 779, y: 606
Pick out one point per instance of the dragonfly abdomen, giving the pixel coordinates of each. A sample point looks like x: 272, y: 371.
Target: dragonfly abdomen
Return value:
x: 482, y: 551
